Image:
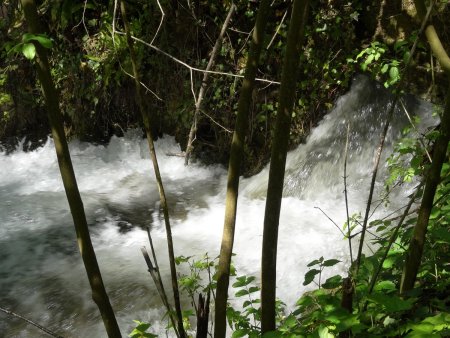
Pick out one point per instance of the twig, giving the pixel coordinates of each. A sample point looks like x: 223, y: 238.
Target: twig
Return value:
x: 383, y: 136
x: 154, y: 273
x: 227, y: 130
x: 40, y: 327
x: 417, y: 132
x: 346, y: 197
x: 278, y: 29
x: 245, y: 42
x: 337, y: 226
x: 199, y: 99
x: 142, y: 84
x: 114, y: 23
x: 82, y: 19
x: 392, y: 239
x: 160, y: 22
x: 194, y: 68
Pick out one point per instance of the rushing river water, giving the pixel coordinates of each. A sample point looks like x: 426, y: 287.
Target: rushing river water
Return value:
x: 41, y: 272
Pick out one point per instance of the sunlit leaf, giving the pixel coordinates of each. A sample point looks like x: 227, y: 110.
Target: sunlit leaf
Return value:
x: 29, y: 51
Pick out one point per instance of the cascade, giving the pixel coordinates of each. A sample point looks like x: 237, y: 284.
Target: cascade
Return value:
x: 41, y: 273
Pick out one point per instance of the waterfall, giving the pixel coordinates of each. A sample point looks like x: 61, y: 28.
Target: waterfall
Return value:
x: 41, y: 273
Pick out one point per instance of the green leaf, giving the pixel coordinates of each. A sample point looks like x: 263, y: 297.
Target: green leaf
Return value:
x: 241, y: 293
x: 272, y: 334
x: 391, y: 303
x: 394, y: 73
x: 29, y: 51
x: 332, y: 282
x: 315, y: 262
x: 243, y: 281
x: 239, y: 333
x: 43, y: 40
x: 331, y: 262
x: 324, y: 332
x: 385, y: 285
x: 253, y: 289
x: 309, y: 276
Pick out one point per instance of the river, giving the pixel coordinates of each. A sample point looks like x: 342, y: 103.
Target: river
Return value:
x: 41, y: 272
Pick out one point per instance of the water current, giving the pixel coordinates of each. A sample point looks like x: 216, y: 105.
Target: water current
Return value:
x: 41, y: 273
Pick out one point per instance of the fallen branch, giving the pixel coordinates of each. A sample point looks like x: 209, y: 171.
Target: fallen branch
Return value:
x: 40, y: 327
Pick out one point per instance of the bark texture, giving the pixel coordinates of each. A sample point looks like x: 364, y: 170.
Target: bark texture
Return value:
x: 415, y: 250
x: 147, y: 125
x: 234, y: 166
x: 278, y: 162
x: 99, y: 294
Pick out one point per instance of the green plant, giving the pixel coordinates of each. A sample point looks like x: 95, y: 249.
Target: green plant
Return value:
x: 384, y: 62
x: 140, y: 331
x: 27, y: 47
x: 320, y: 265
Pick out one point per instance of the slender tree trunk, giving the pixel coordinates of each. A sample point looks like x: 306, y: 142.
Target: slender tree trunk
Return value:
x: 415, y: 250
x: 237, y: 146
x: 99, y: 294
x: 414, y: 254
x: 162, y: 195
x: 278, y: 162
x: 201, y: 93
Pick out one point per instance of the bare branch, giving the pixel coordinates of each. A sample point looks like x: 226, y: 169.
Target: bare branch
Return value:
x: 227, y: 130
x: 346, y: 197
x: 142, y: 84
x: 82, y: 19
x: 278, y: 29
x: 40, y: 327
x: 114, y: 23
x: 337, y: 226
x: 194, y: 68
x: 160, y: 23
x: 415, y: 129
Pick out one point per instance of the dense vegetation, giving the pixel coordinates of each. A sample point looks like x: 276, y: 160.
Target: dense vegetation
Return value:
x: 95, y: 63
x: 90, y: 68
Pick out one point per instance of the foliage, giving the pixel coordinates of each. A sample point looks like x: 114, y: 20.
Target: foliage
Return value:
x: 140, y: 331
x: 383, y: 62
x: 376, y: 312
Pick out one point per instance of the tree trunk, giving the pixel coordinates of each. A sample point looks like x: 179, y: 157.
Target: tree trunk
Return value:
x: 415, y: 250
x: 147, y: 125
x: 99, y: 294
x: 237, y: 145
x: 278, y: 162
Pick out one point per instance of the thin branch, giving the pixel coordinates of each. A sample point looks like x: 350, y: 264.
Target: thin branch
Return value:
x: 114, y: 22
x: 415, y: 129
x: 392, y: 239
x: 82, y: 19
x: 142, y: 84
x: 154, y: 273
x: 278, y: 29
x: 194, y: 68
x: 40, y: 327
x: 227, y: 130
x: 337, y: 226
x: 192, y: 85
x: 198, y: 100
x: 245, y: 42
x: 346, y: 197
x: 383, y: 137
x: 160, y: 22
